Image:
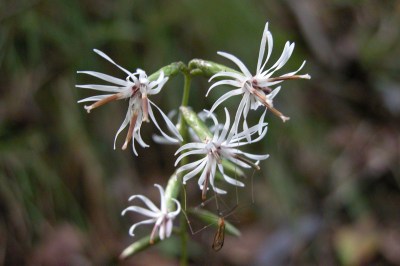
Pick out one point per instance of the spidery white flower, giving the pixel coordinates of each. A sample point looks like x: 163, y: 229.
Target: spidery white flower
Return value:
x: 161, y: 217
x: 136, y: 87
x: 203, y: 115
x: 223, y: 145
x: 256, y: 89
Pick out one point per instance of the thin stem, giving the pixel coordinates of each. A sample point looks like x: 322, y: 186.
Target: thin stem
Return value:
x: 184, y: 133
x: 186, y: 89
x: 184, y: 238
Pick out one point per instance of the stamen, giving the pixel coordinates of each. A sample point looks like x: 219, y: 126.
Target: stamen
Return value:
x: 130, y: 130
x: 306, y: 76
x: 102, y: 101
x: 261, y: 97
x: 266, y: 90
x: 247, y: 161
x: 217, y: 156
x: 153, y: 233
x: 145, y: 107
x: 205, y: 187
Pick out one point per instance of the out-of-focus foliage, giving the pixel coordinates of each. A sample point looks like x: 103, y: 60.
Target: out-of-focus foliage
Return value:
x: 328, y: 195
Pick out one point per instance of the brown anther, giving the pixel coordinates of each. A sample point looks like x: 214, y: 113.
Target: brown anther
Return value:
x: 102, y: 101
x: 205, y: 187
x: 145, y: 108
x: 217, y: 157
x: 130, y: 130
x: 134, y: 90
x: 266, y: 90
x: 248, y: 162
x: 289, y: 77
x: 153, y: 234
x: 263, y: 100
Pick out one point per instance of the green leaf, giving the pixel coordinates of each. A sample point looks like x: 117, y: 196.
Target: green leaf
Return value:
x: 138, y: 246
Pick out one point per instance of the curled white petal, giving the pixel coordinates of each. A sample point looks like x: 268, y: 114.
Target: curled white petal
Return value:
x: 136, y: 87
x: 255, y: 89
x: 160, y: 217
x: 222, y: 145
x: 133, y: 227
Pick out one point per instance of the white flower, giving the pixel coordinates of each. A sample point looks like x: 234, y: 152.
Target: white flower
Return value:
x: 256, y: 90
x: 136, y: 87
x: 223, y: 145
x: 162, y: 218
x: 203, y: 115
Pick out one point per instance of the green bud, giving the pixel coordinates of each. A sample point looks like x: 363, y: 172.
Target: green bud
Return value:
x: 193, y: 121
x: 169, y: 70
x: 207, y: 68
x: 172, y: 191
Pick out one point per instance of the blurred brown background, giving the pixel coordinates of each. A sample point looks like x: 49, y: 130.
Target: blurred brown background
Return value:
x: 328, y: 195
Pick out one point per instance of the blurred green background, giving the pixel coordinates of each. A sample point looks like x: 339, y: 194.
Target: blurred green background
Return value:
x: 328, y: 195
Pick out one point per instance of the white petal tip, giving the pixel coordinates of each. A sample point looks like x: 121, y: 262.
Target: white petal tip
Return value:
x: 125, y: 146
x: 96, y: 50
x: 306, y: 76
x: 88, y: 108
x: 284, y: 118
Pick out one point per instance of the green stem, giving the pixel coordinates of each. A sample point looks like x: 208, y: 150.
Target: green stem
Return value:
x: 169, y: 70
x: 184, y: 132
x: 186, y: 89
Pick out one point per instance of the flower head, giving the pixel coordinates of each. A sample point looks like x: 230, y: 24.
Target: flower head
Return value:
x: 256, y: 89
x: 161, y: 217
x: 136, y: 87
x: 223, y: 145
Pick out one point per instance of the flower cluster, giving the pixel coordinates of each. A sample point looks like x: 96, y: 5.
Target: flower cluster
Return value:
x: 220, y: 145
x: 223, y: 145
x: 256, y: 90
x: 136, y: 87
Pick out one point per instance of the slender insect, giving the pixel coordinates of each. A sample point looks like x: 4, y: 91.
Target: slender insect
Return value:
x: 222, y: 226
x: 219, y: 236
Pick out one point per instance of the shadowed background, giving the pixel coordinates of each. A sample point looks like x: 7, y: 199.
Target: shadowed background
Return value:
x: 328, y: 195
